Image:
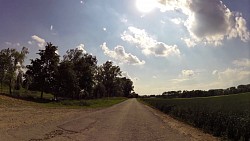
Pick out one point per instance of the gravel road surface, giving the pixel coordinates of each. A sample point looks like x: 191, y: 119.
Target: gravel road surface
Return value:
x: 127, y: 121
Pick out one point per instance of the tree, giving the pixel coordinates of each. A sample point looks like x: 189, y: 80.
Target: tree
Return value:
x: 19, y: 80
x: 127, y: 86
x: 84, y: 66
x: 3, y: 67
x: 43, y: 70
x: 11, y: 61
x: 68, y: 85
x: 107, y: 74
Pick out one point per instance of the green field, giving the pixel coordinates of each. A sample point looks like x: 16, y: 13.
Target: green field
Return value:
x: 225, y: 116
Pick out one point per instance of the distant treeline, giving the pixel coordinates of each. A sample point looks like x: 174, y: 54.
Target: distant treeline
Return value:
x: 76, y: 76
x: 203, y: 93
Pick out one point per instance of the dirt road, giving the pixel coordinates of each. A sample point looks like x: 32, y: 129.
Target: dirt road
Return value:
x: 127, y: 121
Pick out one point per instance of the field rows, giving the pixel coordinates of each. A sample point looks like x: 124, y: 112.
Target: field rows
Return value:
x: 223, y: 116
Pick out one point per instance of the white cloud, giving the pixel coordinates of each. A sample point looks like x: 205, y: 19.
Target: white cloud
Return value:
x: 8, y: 43
x: 234, y: 76
x: 149, y: 45
x: 239, y: 74
x: 154, y: 77
x: 81, y: 47
x: 12, y: 44
x: 209, y: 21
x: 189, y: 42
x: 120, y: 55
x: 125, y: 74
x: 40, y: 41
x: 244, y: 62
x: 185, y: 75
x: 162, y: 21
x: 124, y: 19
x: 188, y: 73
x: 176, y: 20
x: 51, y: 27
x: 215, y: 72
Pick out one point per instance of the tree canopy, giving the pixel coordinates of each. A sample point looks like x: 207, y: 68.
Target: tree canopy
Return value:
x: 76, y: 76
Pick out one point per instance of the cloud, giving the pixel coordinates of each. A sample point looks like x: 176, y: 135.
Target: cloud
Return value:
x: 239, y: 74
x: 104, y: 29
x: 124, y: 20
x: 120, y: 55
x: 82, y: 2
x: 125, y: 74
x: 147, y: 44
x: 209, y: 21
x: 8, y: 43
x: 215, y: 72
x: 185, y: 75
x: 51, y: 27
x: 234, y: 76
x: 176, y: 20
x: 40, y: 42
x: 154, y: 77
x: 13, y: 44
x: 244, y: 62
x: 81, y: 47
x: 188, y: 73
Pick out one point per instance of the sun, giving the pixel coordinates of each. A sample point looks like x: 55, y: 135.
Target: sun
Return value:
x: 145, y: 6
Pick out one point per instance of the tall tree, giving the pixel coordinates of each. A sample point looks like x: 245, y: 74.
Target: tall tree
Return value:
x: 44, y: 70
x: 127, y: 86
x: 84, y: 67
x: 11, y: 61
x: 3, y: 67
x: 107, y: 75
x: 68, y: 85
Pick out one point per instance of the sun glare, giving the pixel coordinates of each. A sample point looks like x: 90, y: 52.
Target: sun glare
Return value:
x: 145, y: 5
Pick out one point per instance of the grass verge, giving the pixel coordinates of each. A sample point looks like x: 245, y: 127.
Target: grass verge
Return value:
x: 10, y: 101
x: 92, y: 103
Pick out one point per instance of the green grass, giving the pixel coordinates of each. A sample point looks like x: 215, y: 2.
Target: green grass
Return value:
x: 93, y: 103
x: 34, y: 97
x: 225, y: 116
x: 25, y: 94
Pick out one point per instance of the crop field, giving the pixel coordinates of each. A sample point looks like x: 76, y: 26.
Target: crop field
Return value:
x: 224, y: 116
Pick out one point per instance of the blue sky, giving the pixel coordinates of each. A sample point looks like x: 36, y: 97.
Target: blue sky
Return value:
x: 161, y: 45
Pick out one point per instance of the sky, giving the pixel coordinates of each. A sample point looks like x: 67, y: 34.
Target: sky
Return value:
x: 161, y: 45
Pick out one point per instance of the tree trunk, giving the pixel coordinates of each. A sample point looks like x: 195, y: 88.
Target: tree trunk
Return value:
x: 42, y: 94
x: 1, y: 86
x: 10, y: 86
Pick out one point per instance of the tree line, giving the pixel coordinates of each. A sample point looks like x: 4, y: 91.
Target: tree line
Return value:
x: 203, y: 93
x: 76, y: 76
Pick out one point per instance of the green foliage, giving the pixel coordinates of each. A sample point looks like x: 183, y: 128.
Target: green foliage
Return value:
x: 43, y: 70
x: 107, y: 75
x: 225, y: 116
x: 77, y: 76
x: 67, y: 81
x: 11, y: 60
